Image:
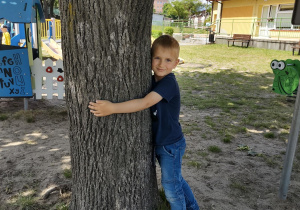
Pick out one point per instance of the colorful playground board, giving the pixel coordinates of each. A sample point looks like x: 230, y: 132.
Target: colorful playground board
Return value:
x: 15, y: 78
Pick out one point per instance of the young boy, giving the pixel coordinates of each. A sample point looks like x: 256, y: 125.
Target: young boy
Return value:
x: 5, y: 35
x: 164, y: 100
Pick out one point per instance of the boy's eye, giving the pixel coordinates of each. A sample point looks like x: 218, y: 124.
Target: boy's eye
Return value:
x: 169, y: 60
x: 156, y: 57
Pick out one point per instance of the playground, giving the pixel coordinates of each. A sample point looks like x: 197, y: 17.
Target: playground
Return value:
x: 235, y: 125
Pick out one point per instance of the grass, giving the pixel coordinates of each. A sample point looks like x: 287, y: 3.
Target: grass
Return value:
x: 67, y: 173
x: 214, y: 149
x: 3, y: 117
x: 235, y: 82
x: 62, y: 206
x: 164, y: 204
x: 238, y: 186
x: 194, y: 164
x: 29, y: 116
x: 269, y: 135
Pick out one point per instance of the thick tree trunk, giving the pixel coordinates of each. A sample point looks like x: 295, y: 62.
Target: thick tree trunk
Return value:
x: 106, y: 50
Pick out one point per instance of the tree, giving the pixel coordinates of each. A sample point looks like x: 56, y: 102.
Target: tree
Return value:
x: 48, y: 6
x: 106, y: 51
x: 193, y: 6
x: 170, y: 11
x: 183, y: 9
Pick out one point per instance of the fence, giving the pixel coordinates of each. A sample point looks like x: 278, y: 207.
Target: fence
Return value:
x: 48, y: 79
x: 276, y: 28
x: 279, y: 28
x: 189, y: 27
x: 45, y: 29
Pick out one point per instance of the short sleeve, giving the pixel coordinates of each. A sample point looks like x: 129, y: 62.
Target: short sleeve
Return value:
x: 166, y: 88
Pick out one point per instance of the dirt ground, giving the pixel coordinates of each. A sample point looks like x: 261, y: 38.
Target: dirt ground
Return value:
x: 34, y: 155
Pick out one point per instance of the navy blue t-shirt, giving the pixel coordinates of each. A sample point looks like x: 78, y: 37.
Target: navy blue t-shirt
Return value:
x: 165, y: 114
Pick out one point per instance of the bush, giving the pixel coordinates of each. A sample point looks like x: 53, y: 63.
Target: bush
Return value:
x: 169, y: 31
x: 156, y: 33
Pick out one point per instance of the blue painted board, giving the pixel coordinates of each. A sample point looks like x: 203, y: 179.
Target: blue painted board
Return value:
x: 17, y: 11
x: 15, y: 77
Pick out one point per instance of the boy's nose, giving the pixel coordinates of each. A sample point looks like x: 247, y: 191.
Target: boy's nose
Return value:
x: 160, y: 63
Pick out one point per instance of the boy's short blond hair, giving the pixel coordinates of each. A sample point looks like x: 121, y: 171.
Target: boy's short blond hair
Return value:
x: 165, y: 41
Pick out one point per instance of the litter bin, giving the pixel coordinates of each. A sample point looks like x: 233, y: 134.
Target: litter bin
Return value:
x: 211, y: 37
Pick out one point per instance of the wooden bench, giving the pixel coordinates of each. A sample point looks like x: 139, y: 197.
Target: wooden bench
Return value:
x: 296, y: 46
x: 244, y: 38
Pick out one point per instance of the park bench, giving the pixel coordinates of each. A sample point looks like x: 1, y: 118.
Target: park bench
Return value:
x: 296, y: 46
x: 244, y: 38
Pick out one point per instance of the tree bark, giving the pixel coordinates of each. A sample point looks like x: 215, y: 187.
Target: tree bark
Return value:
x: 48, y: 6
x: 106, y: 51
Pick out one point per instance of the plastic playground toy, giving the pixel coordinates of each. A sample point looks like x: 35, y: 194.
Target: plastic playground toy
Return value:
x: 287, y: 74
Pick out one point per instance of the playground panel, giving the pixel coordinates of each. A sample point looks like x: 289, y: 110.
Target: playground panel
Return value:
x: 15, y: 73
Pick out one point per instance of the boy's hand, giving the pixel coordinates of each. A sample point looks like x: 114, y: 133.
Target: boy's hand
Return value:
x: 101, y: 108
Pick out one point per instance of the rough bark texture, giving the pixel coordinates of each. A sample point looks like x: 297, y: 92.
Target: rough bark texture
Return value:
x: 48, y: 8
x: 106, y: 50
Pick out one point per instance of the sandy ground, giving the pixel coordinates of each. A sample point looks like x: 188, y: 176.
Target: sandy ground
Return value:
x: 34, y: 155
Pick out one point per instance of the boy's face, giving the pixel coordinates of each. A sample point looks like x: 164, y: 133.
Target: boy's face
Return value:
x: 3, y: 30
x: 164, y: 60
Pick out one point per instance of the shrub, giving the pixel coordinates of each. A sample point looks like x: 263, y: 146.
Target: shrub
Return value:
x: 156, y: 33
x: 169, y: 31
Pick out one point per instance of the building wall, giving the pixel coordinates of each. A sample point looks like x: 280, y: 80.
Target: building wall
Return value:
x: 158, y: 5
x: 240, y: 16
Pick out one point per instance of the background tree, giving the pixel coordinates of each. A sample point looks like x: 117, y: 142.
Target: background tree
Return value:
x: 48, y: 6
x: 193, y: 6
x: 183, y: 9
x: 175, y: 10
x: 106, y: 50
x: 169, y: 11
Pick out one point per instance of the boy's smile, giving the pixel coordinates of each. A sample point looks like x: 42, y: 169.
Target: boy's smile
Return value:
x: 164, y: 60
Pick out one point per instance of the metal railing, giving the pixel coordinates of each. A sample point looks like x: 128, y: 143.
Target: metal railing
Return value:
x: 275, y: 28
x: 182, y: 26
x: 45, y: 29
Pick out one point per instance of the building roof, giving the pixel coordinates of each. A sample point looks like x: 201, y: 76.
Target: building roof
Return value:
x: 21, y: 11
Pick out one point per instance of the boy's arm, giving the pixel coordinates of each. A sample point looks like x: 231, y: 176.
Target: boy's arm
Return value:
x: 103, y: 108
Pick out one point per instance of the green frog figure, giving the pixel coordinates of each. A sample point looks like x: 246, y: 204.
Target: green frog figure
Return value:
x: 287, y: 75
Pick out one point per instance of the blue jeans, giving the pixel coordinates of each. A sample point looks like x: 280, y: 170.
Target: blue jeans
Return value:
x: 177, y: 190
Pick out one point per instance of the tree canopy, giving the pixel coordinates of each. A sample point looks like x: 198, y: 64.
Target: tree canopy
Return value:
x: 183, y: 9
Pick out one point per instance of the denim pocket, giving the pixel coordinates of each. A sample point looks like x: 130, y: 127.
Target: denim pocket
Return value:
x: 169, y: 149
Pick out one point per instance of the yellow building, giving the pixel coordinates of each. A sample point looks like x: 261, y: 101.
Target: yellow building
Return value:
x: 260, y: 18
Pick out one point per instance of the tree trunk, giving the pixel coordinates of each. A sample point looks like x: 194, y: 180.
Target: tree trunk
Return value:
x: 51, y: 4
x: 45, y: 9
x: 106, y: 50
x: 48, y: 6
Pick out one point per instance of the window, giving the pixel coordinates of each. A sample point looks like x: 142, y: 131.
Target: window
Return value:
x: 284, y: 16
x: 285, y: 7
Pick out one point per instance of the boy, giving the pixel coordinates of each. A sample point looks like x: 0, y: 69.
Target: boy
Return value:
x: 5, y: 35
x: 164, y: 100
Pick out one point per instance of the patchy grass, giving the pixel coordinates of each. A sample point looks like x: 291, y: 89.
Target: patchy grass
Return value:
x: 194, y: 164
x: 238, y: 186
x: 234, y: 81
x: 269, y: 135
x: 3, y: 117
x: 67, y: 173
x: 28, y: 116
x: 214, y: 149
